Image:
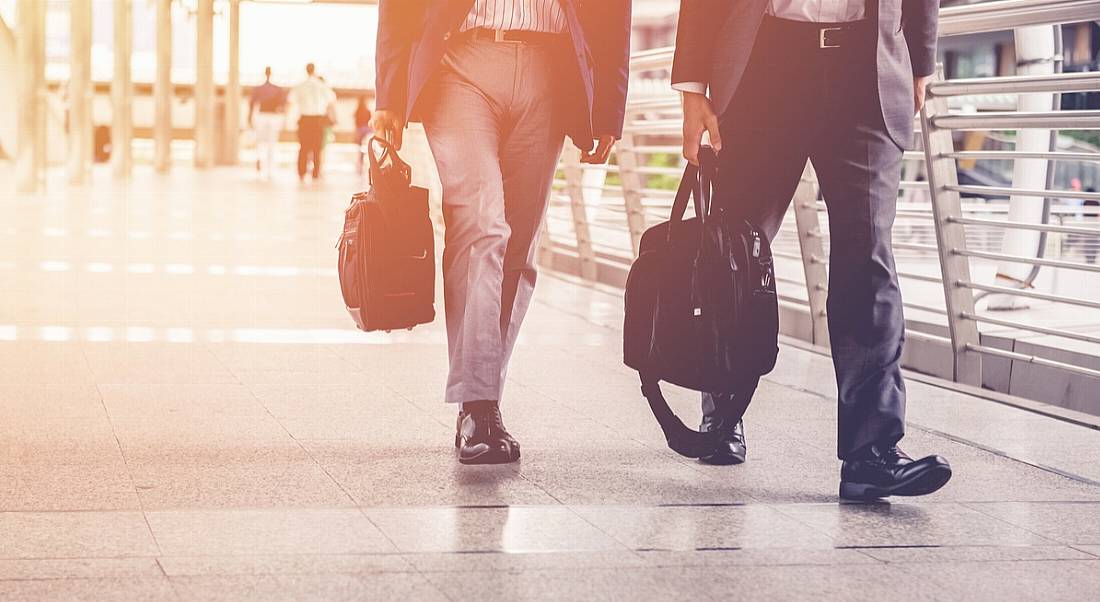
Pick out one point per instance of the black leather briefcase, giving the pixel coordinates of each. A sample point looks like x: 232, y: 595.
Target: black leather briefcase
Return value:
x: 701, y: 305
x: 387, y: 248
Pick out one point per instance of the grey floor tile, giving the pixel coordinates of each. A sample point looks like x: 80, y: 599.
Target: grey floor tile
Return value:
x: 611, y: 584
x: 27, y: 401
x: 229, y: 532
x: 628, y: 474
x: 130, y: 402
x: 79, y: 568
x: 514, y: 529
x: 92, y: 590
x: 1069, y: 523
x: 908, y: 555
x: 702, y: 527
x: 753, y: 557
x: 260, y: 484
x: 418, y: 475
x: 62, y: 487
x: 460, y: 562
x: 1021, y: 580
x: 285, y: 564
x: 395, y: 586
x: 75, y: 535
x: 866, y: 525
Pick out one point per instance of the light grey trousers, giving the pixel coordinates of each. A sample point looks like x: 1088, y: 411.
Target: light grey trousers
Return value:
x: 490, y: 122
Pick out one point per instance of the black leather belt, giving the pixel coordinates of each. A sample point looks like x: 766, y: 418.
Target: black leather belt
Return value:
x: 522, y: 37
x: 809, y: 35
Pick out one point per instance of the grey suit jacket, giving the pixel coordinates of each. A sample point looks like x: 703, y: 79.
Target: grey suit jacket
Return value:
x: 715, y: 38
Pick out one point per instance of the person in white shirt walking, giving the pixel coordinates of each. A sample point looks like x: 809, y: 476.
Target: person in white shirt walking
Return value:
x: 312, y: 98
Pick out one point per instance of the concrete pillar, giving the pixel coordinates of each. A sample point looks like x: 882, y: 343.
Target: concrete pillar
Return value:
x: 80, y: 91
x: 30, y: 152
x: 163, y: 90
x: 204, y: 86
x: 122, y: 92
x: 232, y: 133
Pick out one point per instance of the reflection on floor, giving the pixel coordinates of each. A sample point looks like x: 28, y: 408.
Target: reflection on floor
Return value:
x: 186, y: 413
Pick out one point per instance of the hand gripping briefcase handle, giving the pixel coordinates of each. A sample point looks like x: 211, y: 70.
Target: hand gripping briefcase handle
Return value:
x: 389, y: 153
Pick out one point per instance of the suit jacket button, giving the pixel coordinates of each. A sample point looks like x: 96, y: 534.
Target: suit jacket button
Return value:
x: 447, y: 36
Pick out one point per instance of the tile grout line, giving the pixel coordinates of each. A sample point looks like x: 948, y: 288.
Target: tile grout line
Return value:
x: 129, y: 471
x: 297, y: 442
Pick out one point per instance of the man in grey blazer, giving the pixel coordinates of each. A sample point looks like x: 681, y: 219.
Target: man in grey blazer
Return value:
x: 777, y: 82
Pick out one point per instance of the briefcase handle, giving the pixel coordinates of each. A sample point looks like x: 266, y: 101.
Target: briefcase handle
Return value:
x: 697, y: 183
x: 377, y: 162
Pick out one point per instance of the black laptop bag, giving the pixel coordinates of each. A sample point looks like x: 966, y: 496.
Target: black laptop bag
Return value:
x: 387, y: 248
x: 701, y: 305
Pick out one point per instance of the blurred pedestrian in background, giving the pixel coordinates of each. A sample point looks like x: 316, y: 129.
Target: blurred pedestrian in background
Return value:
x: 266, y: 118
x: 313, y: 99
x: 363, y: 130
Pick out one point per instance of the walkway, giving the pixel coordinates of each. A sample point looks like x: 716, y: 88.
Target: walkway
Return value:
x: 185, y: 413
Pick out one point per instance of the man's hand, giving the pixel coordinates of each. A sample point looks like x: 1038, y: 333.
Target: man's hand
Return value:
x: 603, y: 146
x: 388, y: 126
x: 920, y: 85
x: 699, y: 117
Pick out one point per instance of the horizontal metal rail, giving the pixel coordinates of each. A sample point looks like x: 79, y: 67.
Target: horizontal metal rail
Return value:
x: 1026, y: 192
x: 1017, y: 292
x: 1031, y: 359
x: 1018, y: 84
x: 1015, y: 155
x: 1057, y: 120
x: 1010, y: 14
x: 1057, y: 332
x: 928, y: 308
x: 919, y: 277
x: 1050, y: 263
x: 1000, y: 223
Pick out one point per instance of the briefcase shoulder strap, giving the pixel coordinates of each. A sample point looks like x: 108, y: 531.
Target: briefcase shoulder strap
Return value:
x: 681, y: 439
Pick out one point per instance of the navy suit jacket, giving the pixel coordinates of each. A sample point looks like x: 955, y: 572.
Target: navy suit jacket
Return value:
x: 413, y: 36
x: 715, y: 39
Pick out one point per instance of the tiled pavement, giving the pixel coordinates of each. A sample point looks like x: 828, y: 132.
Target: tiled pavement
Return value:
x: 185, y: 413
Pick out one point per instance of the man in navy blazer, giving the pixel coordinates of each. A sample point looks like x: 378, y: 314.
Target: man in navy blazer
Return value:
x: 498, y: 84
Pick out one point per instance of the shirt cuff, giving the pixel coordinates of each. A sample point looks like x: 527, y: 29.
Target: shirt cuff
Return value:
x: 694, y: 87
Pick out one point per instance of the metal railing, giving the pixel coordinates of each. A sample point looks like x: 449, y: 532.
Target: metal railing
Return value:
x: 947, y: 234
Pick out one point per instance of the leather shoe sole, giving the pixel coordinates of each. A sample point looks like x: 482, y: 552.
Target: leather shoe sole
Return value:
x: 483, y: 453
x: 724, y: 457
x: 922, y: 483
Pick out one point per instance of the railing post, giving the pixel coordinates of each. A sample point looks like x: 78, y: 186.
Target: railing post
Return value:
x: 951, y: 238
x: 814, y: 261
x: 632, y: 190
x: 574, y: 174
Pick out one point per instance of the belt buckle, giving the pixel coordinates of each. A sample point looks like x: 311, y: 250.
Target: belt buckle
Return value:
x: 501, y: 37
x: 821, y: 40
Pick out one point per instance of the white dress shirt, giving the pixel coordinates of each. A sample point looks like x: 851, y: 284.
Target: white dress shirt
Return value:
x: 818, y: 11
x: 812, y: 11
x: 312, y: 97
x: 516, y: 15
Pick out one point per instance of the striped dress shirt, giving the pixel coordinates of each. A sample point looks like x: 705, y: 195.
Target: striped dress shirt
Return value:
x: 516, y: 15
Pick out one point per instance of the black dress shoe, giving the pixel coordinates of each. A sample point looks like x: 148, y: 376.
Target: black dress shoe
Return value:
x: 482, y: 438
x: 886, y: 471
x: 731, y: 449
